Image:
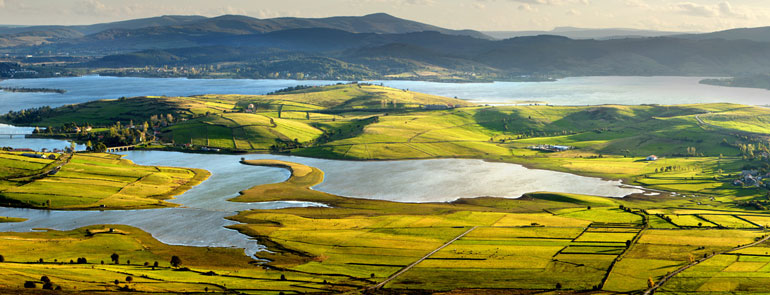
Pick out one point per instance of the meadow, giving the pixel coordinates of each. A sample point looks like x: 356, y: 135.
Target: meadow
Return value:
x: 91, y: 181
x: 541, y: 242
x: 698, y: 146
x: 82, y: 260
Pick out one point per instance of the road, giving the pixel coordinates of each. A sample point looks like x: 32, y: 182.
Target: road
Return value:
x: 662, y: 281
x: 408, y: 267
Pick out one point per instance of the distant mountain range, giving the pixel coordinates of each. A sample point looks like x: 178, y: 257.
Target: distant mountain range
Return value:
x: 584, y: 33
x: 380, y: 23
x: 381, y: 46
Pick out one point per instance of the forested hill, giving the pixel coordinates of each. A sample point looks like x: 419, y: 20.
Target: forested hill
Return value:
x: 396, y: 54
x: 376, y: 46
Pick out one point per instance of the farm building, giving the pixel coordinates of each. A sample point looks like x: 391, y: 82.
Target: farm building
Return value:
x: 551, y: 148
x: 652, y: 158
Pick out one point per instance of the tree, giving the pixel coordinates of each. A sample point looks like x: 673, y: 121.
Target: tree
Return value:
x: 155, y: 264
x: 129, y: 279
x: 48, y: 286
x: 558, y: 286
x: 2, y: 258
x: 29, y: 285
x: 283, y: 277
x: 100, y: 148
x: 175, y: 261
x: 650, y: 282
x: 115, y: 258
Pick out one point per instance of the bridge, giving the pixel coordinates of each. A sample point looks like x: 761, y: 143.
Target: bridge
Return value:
x: 119, y: 148
x: 11, y: 135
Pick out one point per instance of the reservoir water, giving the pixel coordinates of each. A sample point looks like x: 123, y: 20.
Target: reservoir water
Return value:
x: 568, y: 91
x: 199, y: 221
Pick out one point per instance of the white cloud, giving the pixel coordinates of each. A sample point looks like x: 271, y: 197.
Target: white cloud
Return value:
x: 91, y: 7
x: 637, y: 4
x: 574, y: 12
x: 725, y: 8
x: 553, y: 2
x: 526, y: 7
x: 419, y: 2
x: 695, y: 9
x: 231, y: 10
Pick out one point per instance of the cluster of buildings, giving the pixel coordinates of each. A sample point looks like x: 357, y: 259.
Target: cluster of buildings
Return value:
x: 550, y: 148
x: 750, y: 178
x: 251, y: 108
x: 439, y: 106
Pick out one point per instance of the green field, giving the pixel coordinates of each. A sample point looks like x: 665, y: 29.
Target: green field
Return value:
x: 30, y: 256
x: 538, y: 242
x: 693, y: 208
x: 700, y: 146
x: 92, y: 181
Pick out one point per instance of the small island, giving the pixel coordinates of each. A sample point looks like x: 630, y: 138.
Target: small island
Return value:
x: 39, y: 90
x: 761, y: 81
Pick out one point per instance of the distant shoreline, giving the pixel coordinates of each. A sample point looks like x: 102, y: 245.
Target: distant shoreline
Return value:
x: 38, y: 90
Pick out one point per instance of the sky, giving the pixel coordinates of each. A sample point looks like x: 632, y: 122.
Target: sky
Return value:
x: 486, y: 15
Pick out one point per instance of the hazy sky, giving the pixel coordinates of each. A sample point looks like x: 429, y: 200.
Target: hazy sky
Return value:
x: 686, y: 15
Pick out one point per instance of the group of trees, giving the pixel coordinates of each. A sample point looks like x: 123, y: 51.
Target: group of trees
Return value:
x: 290, y: 89
x: 47, y: 284
x: 27, y: 116
x: 668, y: 169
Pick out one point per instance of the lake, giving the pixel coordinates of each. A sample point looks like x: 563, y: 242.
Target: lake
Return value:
x: 568, y: 91
x: 199, y: 221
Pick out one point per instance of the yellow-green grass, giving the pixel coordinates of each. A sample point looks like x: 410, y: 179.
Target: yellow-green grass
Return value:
x: 659, y: 252
x: 372, y: 239
x: 11, y: 165
x: 228, y: 269
x: 4, y: 219
x: 612, y: 140
x: 729, y: 221
x: 726, y: 273
x: 602, y: 215
x: 690, y: 221
x: 353, y: 96
x: 758, y: 219
x: 747, y: 119
x: 700, y: 237
x: 102, y: 181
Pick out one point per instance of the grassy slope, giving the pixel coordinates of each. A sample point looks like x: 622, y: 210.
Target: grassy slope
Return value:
x: 88, y: 181
x: 530, y: 243
x: 215, y: 269
x: 359, y: 122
